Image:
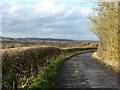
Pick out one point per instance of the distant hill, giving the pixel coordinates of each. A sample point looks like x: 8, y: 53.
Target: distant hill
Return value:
x: 44, y: 39
x: 49, y: 39
x: 8, y: 42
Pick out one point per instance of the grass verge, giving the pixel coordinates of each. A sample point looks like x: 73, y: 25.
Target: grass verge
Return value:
x: 110, y: 64
x: 48, y: 78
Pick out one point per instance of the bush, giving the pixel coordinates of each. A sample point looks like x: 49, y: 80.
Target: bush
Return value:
x: 19, y: 64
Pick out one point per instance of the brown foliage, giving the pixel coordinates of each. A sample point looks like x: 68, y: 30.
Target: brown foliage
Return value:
x: 19, y: 64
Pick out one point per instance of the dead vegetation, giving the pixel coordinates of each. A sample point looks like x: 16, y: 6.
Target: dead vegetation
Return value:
x: 106, y: 26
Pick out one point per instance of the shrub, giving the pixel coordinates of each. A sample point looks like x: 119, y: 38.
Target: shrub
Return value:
x: 19, y: 64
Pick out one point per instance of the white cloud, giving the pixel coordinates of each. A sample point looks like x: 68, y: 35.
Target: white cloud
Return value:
x: 86, y: 11
x: 44, y: 19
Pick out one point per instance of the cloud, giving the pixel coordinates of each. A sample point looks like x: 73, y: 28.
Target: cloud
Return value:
x: 45, y: 19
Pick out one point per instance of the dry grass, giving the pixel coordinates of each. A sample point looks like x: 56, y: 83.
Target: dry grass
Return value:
x: 20, y: 64
x: 112, y: 64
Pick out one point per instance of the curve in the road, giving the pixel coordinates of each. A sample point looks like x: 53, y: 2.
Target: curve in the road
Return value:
x: 81, y: 71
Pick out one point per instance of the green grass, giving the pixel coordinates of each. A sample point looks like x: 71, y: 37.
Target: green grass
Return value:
x: 48, y: 79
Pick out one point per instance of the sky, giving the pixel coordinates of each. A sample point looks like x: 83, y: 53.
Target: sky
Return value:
x: 61, y: 19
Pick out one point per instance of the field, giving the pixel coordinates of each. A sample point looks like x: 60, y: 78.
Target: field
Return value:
x: 60, y: 43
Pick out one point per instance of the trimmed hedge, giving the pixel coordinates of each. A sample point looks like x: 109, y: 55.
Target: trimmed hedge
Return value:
x: 19, y: 64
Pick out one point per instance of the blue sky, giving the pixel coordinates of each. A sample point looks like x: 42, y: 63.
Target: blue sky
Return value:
x: 65, y: 19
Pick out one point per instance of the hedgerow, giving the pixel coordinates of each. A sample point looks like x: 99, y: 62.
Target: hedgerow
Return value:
x: 19, y: 64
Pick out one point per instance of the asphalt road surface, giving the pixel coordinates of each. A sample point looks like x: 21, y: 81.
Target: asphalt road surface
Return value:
x: 81, y: 71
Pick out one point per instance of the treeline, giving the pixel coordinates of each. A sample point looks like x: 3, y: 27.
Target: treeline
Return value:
x: 105, y: 24
x: 20, y: 64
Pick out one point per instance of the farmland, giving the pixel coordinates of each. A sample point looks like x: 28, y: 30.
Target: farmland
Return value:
x: 8, y: 42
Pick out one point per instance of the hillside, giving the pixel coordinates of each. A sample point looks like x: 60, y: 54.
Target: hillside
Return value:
x: 8, y: 42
